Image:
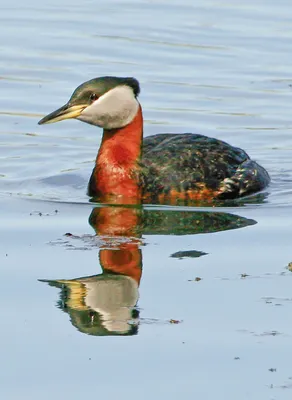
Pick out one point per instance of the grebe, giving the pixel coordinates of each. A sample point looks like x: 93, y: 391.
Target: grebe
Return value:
x: 162, y: 166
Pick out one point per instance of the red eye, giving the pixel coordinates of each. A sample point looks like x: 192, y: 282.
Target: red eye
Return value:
x: 93, y: 97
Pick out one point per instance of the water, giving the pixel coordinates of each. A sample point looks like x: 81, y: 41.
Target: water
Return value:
x: 188, y: 302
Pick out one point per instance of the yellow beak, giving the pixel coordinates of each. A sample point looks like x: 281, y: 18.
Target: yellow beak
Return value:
x: 65, y: 112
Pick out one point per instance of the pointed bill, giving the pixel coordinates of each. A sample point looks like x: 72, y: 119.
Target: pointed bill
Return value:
x: 65, y: 112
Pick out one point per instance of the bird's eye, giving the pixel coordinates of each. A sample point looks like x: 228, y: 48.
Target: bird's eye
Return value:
x: 93, y: 97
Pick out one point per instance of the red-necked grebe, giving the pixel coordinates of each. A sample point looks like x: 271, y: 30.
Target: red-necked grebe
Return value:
x: 183, y: 166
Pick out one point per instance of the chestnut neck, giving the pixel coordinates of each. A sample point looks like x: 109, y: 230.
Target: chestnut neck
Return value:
x: 116, y: 167
x: 119, y: 142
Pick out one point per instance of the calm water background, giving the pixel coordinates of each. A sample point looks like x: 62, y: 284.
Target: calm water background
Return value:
x: 218, y: 68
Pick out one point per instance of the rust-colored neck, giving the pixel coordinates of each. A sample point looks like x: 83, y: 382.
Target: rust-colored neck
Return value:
x: 116, y: 170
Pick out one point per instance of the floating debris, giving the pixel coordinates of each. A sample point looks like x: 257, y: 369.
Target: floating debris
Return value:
x: 174, y: 321
x: 89, y: 241
x: 68, y: 234
x: 190, y: 254
x: 41, y: 214
x: 269, y: 333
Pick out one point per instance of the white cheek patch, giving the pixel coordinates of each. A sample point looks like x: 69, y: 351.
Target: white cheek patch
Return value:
x: 115, y: 109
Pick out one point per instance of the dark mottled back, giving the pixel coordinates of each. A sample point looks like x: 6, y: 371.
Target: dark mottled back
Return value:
x: 187, y: 162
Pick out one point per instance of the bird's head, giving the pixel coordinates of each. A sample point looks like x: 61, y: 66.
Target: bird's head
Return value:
x: 108, y: 102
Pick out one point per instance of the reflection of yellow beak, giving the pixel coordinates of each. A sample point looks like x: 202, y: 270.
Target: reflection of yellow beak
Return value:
x: 65, y: 112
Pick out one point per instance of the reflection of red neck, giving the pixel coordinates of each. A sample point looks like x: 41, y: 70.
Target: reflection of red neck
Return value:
x: 116, y: 221
x: 116, y: 169
x: 123, y: 222
x: 126, y: 260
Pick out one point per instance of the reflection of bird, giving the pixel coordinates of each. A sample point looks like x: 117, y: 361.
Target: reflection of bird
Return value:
x: 178, y: 166
x: 105, y: 304
x: 100, y: 305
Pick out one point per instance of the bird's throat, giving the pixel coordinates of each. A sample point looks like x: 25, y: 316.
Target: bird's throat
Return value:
x: 116, y: 172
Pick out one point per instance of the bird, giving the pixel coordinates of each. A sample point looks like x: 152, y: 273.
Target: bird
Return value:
x: 175, y: 166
